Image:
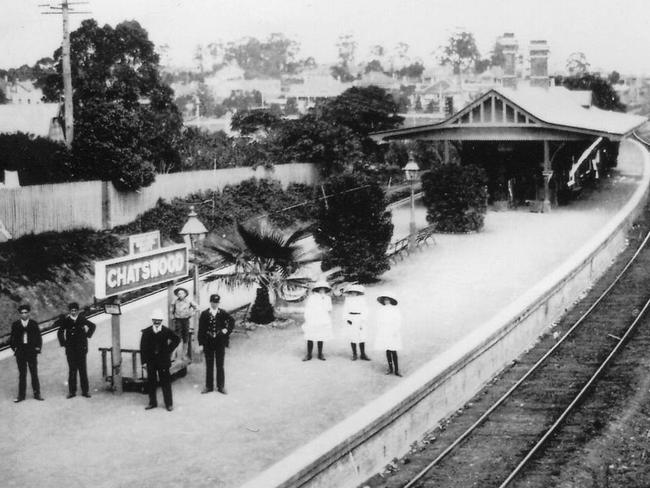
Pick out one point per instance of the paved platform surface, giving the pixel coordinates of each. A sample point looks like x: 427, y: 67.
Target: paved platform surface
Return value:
x: 276, y: 403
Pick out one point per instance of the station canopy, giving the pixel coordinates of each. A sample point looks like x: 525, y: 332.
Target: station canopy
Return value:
x: 523, y: 114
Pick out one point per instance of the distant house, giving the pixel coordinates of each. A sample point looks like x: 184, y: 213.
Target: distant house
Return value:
x: 315, y: 87
x: 382, y: 80
x: 23, y: 92
x: 41, y: 119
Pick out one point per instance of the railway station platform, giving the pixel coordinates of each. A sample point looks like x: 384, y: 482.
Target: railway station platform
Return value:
x: 276, y: 403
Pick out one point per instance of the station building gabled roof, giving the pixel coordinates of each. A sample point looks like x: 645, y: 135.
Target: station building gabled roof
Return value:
x: 525, y: 114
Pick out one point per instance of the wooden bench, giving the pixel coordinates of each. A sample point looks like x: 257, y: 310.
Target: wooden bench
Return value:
x: 424, y: 235
x: 138, y: 379
x: 398, y: 249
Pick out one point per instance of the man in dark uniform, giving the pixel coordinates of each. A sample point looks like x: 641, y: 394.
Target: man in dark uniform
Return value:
x: 26, y: 343
x: 215, y: 327
x: 156, y: 346
x: 74, y: 332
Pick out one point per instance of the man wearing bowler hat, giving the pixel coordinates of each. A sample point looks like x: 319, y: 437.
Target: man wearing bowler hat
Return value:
x: 215, y: 327
x: 73, y: 334
x: 25, y: 341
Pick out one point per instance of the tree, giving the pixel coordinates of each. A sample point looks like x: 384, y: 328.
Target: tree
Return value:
x: 248, y: 122
x: 240, y: 101
x: 38, y: 160
x: 362, y: 109
x: 355, y: 227
x: 347, y: 47
x: 400, y: 57
x: 497, y: 58
x: 335, y: 132
x: 460, y: 52
x: 603, y: 94
x: 311, y: 139
x: 265, y: 258
x: 455, y: 197
x: 272, y: 57
x: 614, y: 77
x: 413, y: 70
x: 115, y: 71
x: 373, y: 65
x: 577, y: 64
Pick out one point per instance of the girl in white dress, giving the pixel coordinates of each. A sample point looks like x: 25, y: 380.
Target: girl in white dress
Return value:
x: 355, y: 315
x: 389, y: 330
x: 318, y: 321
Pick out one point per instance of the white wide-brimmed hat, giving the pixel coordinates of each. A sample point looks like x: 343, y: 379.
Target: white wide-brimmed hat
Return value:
x: 360, y: 289
x: 390, y: 295
x: 321, y: 284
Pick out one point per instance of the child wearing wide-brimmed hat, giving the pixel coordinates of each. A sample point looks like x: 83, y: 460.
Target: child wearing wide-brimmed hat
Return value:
x: 355, y: 315
x: 318, y: 322
x: 389, y: 330
x: 182, y: 310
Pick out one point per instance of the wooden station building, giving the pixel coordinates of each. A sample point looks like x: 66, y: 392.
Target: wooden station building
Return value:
x: 529, y: 139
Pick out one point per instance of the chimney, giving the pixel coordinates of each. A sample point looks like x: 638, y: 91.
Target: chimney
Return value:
x: 510, y: 45
x: 539, y: 64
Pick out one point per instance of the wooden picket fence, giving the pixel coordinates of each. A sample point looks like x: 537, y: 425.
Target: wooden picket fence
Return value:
x: 98, y: 205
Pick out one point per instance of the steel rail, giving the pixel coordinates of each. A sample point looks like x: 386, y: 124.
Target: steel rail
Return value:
x: 577, y: 398
x: 534, y: 368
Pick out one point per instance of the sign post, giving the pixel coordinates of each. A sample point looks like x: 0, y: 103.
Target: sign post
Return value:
x: 129, y: 273
x: 116, y: 353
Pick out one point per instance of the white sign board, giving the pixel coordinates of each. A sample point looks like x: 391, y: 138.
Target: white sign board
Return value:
x: 145, y: 242
x: 135, y: 271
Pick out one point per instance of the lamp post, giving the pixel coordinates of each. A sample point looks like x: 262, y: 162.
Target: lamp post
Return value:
x: 411, y: 171
x: 193, y: 232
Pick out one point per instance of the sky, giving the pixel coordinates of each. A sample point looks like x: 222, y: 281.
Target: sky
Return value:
x: 613, y: 35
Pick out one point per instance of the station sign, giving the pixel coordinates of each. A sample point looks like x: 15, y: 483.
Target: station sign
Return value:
x: 136, y: 271
x: 145, y: 242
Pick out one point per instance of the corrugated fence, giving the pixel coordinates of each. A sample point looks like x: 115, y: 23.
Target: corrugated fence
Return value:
x: 98, y: 205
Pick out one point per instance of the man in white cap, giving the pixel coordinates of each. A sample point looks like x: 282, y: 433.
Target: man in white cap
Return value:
x: 156, y: 346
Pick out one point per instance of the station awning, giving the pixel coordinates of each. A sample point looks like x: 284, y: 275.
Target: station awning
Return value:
x: 523, y: 114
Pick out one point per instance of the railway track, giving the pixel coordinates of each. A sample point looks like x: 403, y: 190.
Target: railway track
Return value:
x: 523, y: 429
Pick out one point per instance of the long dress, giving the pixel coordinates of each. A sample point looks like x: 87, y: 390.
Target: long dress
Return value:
x: 318, y: 321
x: 389, y: 328
x: 355, y: 310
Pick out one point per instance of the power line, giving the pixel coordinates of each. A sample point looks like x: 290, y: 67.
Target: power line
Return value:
x: 65, y: 10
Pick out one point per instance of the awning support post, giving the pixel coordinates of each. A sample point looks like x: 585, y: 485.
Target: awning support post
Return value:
x: 547, y: 173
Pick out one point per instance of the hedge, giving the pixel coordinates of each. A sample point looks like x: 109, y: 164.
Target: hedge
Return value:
x: 455, y: 197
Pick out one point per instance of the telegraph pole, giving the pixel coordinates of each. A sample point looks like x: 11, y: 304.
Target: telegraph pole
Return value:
x: 64, y: 10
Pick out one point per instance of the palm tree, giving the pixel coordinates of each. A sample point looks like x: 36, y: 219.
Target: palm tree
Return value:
x: 264, y: 257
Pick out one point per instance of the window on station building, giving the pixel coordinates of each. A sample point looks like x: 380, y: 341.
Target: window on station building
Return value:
x: 510, y: 114
x: 521, y: 118
x: 465, y: 118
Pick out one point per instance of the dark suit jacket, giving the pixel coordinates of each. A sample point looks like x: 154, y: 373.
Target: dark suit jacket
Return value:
x: 224, y: 321
x: 72, y: 333
x: 34, y: 340
x: 148, y: 347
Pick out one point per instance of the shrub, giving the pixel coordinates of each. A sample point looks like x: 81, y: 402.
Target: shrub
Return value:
x: 221, y: 210
x: 455, y: 197
x: 32, y: 258
x: 355, y: 226
x: 38, y: 160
